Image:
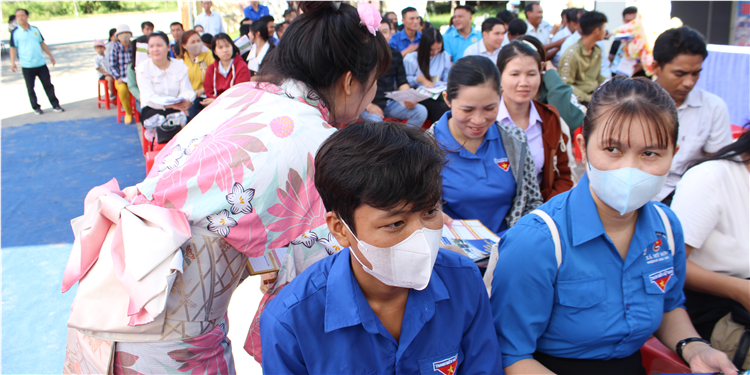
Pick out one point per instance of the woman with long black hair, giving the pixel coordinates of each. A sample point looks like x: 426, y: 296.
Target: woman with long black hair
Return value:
x: 428, y: 67
x: 262, y: 44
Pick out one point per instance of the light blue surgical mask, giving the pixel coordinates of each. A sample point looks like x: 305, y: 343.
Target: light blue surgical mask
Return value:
x: 625, y: 189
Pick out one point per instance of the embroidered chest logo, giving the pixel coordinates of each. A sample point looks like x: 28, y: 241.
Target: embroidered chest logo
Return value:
x: 659, y: 250
x: 446, y: 366
x: 662, y: 277
x: 473, y: 40
x: 503, y: 163
x: 657, y: 245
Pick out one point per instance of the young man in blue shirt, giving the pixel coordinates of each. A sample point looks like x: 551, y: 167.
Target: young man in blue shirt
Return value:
x: 27, y: 43
x: 255, y: 10
x: 462, y: 34
x: 393, y: 302
x: 407, y: 40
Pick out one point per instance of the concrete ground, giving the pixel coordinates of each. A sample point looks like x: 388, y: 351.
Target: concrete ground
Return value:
x: 75, y: 84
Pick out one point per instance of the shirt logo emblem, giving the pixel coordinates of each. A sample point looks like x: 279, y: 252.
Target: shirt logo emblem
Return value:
x: 503, y: 163
x: 657, y: 245
x: 474, y: 40
x: 446, y: 366
x: 662, y: 277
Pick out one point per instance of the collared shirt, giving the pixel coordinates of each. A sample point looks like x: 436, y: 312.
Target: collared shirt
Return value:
x: 256, y: 15
x: 564, y: 32
x: 582, y: 70
x: 572, y: 39
x: 197, y: 68
x: 597, y: 305
x: 704, y: 128
x: 224, y: 71
x: 440, y: 66
x: 28, y: 45
x: 321, y: 323
x: 211, y: 24
x: 253, y: 61
x: 480, y: 49
x: 119, y: 60
x: 541, y: 32
x: 472, y: 180
x: 156, y: 85
x: 455, y: 43
x: 533, y: 134
x: 401, y: 41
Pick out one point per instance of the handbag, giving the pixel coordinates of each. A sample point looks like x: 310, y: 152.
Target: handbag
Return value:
x: 731, y: 335
x: 170, y: 127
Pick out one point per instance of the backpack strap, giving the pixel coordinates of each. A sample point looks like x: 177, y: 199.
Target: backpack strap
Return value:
x: 489, y: 274
x: 553, y: 231
x: 667, y: 226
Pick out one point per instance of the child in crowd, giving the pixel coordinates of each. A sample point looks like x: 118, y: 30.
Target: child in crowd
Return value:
x: 227, y: 70
x: 102, y: 69
x: 394, y: 302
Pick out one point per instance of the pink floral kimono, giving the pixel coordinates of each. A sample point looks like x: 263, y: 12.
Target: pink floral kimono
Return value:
x: 157, y: 263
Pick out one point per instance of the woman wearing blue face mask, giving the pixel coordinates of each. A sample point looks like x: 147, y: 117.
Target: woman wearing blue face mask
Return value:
x: 585, y: 280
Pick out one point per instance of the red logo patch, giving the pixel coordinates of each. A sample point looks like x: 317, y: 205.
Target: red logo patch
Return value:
x: 446, y: 366
x: 657, y: 245
x: 503, y: 163
x: 662, y: 282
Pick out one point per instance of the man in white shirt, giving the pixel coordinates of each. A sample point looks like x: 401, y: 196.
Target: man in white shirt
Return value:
x: 704, y: 118
x: 210, y: 21
x: 538, y: 27
x: 493, y: 34
x: 571, y: 30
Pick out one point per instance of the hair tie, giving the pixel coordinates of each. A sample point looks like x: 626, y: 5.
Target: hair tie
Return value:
x: 530, y: 45
x: 369, y: 16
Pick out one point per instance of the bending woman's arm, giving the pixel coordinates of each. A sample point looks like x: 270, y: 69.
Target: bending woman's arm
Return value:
x: 559, y: 96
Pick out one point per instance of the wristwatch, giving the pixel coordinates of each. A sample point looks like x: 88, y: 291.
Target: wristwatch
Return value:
x: 683, y: 342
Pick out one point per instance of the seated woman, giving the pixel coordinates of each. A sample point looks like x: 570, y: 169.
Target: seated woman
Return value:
x: 711, y: 201
x: 262, y: 44
x: 429, y: 57
x: 197, y: 63
x: 521, y: 75
x: 554, y: 91
x: 227, y: 70
x: 160, y: 78
x: 132, y: 81
x: 490, y: 173
x: 608, y: 265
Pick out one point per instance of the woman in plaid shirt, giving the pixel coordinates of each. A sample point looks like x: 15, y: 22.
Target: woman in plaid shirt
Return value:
x: 118, y: 65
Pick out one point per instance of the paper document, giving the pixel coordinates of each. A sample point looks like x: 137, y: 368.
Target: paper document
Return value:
x: 433, y: 92
x: 472, y: 237
x: 243, y: 44
x: 410, y: 95
x: 165, y: 100
x: 626, y: 67
x: 268, y: 263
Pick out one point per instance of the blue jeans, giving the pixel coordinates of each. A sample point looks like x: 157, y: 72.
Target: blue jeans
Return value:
x: 415, y: 116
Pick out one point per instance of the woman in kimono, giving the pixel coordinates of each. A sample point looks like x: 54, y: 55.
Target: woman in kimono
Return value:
x: 158, y: 262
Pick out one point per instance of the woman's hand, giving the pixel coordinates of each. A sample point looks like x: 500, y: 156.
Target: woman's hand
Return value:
x: 703, y: 358
x: 429, y: 84
x: 183, y: 106
x: 548, y: 65
x: 206, y: 102
x: 375, y: 110
x: 267, y: 280
x: 409, y: 104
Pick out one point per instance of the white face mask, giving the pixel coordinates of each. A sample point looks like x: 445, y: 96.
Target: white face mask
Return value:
x: 407, y: 264
x: 194, y: 49
x: 625, y: 189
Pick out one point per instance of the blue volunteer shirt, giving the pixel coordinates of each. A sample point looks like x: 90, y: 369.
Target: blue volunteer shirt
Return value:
x: 256, y: 15
x: 476, y: 186
x: 455, y: 44
x: 400, y: 40
x: 28, y: 44
x: 321, y: 323
x: 597, y: 305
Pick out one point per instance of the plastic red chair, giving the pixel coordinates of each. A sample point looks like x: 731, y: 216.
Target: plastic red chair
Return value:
x: 576, y: 149
x: 657, y: 358
x: 106, y: 100
x: 738, y: 130
x: 121, y: 112
x: 150, y: 157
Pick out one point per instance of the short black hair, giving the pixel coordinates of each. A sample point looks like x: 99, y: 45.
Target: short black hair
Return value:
x: 517, y: 27
x: 573, y: 14
x: 207, y: 38
x: 591, y: 21
x: 287, y: 11
x: 226, y: 38
x: 155, y: 34
x: 407, y: 10
x: 629, y: 10
x: 466, y: 8
x: 387, y: 13
x: 266, y: 19
x: 472, y: 71
x: 174, y: 24
x: 24, y: 10
x: 112, y: 31
x: 380, y: 164
x: 490, y: 23
x: 147, y: 23
x: 679, y: 41
x: 530, y: 6
x: 506, y: 16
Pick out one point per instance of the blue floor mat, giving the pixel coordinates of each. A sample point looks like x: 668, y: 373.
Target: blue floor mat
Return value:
x: 48, y: 168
